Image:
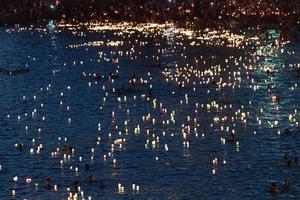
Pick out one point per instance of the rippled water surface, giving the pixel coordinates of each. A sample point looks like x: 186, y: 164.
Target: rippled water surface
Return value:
x: 190, y: 99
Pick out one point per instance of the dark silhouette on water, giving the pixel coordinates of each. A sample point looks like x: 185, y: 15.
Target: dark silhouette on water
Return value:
x: 91, y: 179
x: 270, y: 88
x: 48, y: 183
x: 156, y: 65
x: 231, y: 137
x: 20, y: 146
x: 298, y: 72
x: 273, y: 188
x: 286, y: 156
x: 87, y: 167
x: 102, y: 185
x: 76, y: 184
x: 286, y: 131
x: 14, y: 71
x: 285, y: 184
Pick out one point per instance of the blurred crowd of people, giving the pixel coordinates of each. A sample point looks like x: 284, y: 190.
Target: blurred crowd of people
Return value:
x: 15, y: 11
x: 204, y: 13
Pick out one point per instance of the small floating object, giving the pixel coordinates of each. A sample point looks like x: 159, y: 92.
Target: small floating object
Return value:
x: 15, y: 179
x: 28, y: 181
x: 19, y: 146
x: 120, y: 188
x: 275, y: 98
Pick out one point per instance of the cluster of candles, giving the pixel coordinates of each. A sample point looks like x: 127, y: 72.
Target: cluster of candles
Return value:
x: 215, y: 79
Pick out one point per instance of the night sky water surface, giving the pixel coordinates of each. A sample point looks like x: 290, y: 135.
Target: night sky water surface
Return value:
x: 187, y: 159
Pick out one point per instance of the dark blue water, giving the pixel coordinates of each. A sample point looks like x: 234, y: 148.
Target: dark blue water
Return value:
x: 213, y: 90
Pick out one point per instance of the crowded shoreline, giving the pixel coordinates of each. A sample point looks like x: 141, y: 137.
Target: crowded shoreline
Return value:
x: 224, y: 14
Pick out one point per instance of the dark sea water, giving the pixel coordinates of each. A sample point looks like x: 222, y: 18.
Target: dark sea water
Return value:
x: 184, y: 159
